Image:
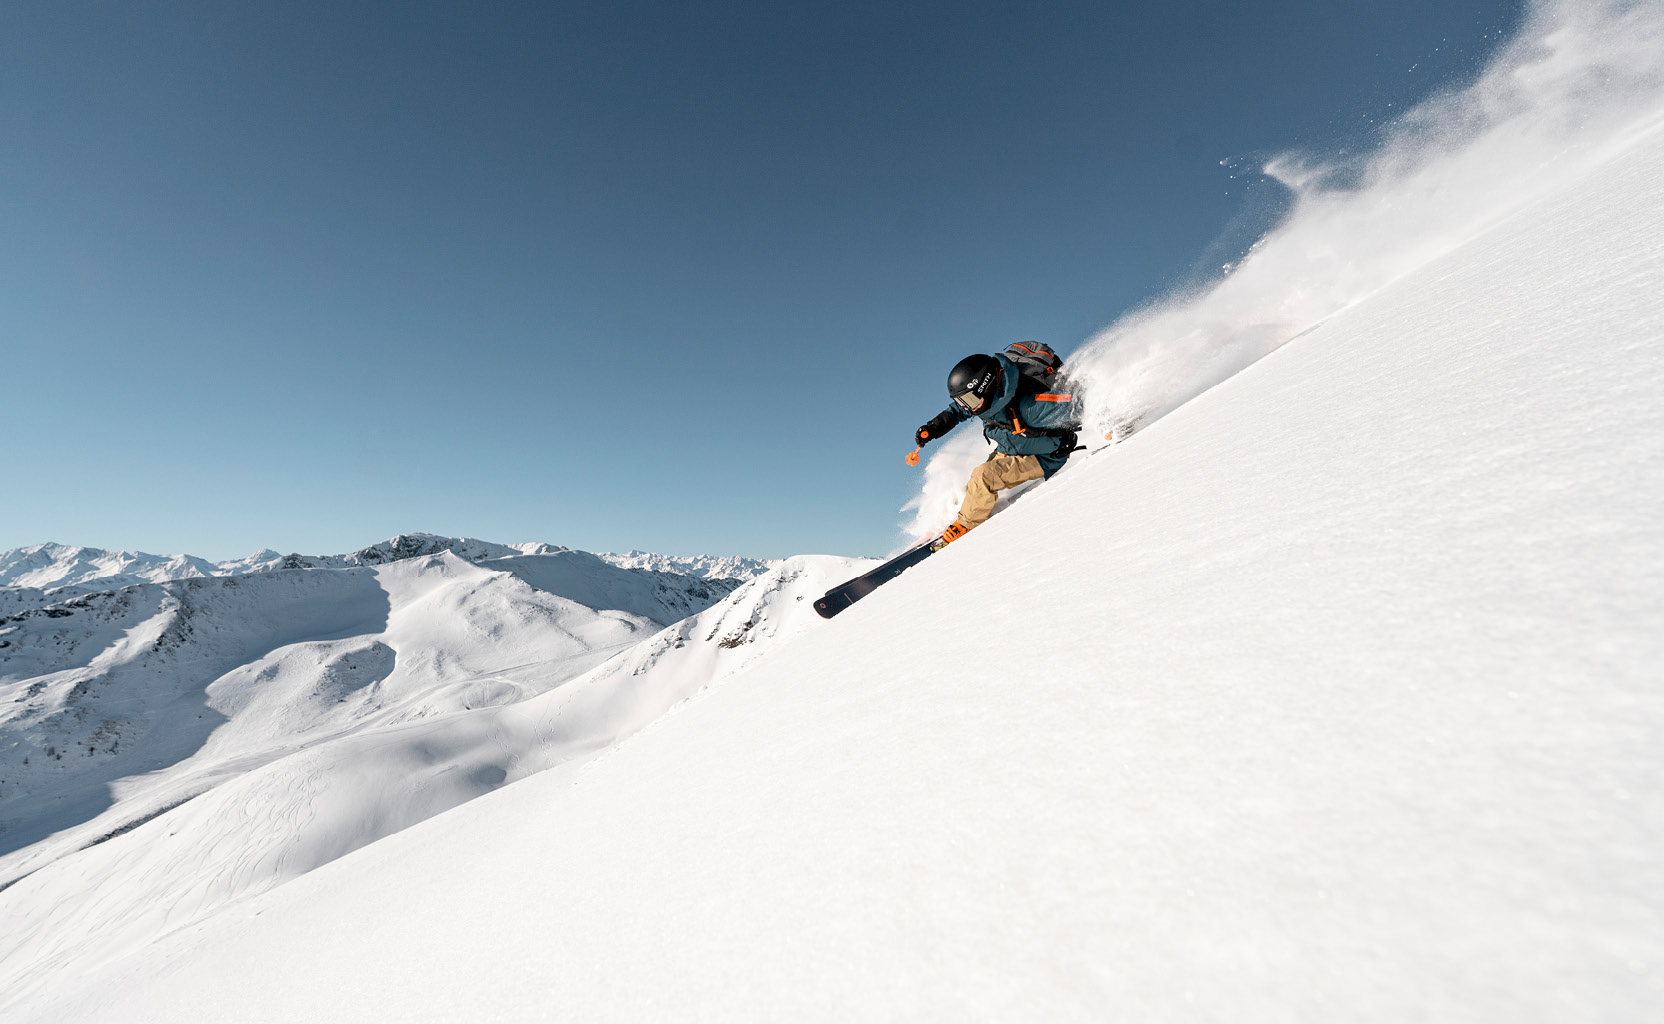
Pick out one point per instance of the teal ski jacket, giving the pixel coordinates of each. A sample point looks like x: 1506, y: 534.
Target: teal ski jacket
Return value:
x: 1024, y: 420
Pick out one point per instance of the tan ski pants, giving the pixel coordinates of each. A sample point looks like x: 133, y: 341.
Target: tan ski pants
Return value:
x: 1000, y: 473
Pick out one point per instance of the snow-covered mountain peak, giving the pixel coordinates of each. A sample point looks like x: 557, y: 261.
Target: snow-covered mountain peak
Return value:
x: 417, y: 545
x: 36, y: 576
x: 394, y: 549
x: 705, y: 566
x: 46, y: 566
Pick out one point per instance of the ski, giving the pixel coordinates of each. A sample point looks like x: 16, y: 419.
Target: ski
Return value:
x: 841, y: 597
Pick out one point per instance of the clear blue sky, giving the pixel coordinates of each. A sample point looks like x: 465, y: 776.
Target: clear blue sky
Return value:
x: 672, y: 276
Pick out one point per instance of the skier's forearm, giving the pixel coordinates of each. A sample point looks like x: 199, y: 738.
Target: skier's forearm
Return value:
x: 944, y: 421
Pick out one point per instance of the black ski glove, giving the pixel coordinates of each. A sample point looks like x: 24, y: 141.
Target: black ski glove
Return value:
x: 938, y: 427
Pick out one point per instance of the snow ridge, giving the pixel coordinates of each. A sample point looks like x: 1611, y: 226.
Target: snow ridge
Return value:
x: 48, y: 566
x: 42, y: 574
x: 703, y: 566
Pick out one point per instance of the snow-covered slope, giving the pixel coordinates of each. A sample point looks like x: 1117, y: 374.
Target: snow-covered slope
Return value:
x: 1333, y: 696
x: 119, y: 703
x: 290, y: 696
x: 116, y: 704
x: 340, y: 707
x: 92, y: 686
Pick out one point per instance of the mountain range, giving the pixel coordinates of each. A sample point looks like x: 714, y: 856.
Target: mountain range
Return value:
x: 326, y: 702
x: 55, y: 567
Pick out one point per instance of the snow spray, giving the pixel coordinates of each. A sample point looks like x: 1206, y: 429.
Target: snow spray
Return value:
x: 1579, y: 81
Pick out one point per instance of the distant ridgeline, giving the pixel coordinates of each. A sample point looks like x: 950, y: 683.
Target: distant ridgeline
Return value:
x: 703, y: 566
x: 44, y: 574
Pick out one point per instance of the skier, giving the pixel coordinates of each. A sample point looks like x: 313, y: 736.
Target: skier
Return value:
x: 1028, y: 413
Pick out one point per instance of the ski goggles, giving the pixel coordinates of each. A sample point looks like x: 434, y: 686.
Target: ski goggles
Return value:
x: 969, y: 401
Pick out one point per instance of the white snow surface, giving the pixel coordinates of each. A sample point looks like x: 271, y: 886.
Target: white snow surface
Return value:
x: 1333, y: 694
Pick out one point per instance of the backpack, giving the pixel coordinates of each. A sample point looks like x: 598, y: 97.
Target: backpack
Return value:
x: 1037, y: 362
x: 1042, y: 374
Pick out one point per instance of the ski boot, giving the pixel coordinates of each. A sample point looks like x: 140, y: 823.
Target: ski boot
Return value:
x: 949, y: 535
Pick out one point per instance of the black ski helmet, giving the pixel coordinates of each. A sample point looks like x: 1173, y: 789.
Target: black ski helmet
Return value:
x: 973, y: 381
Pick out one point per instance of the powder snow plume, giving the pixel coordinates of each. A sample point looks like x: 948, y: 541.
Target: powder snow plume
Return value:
x: 1580, y: 80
